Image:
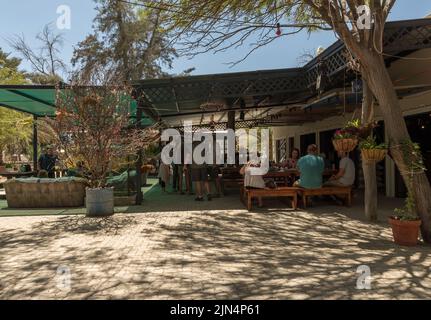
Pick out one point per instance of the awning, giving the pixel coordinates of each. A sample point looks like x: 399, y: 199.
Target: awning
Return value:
x: 36, y: 100
x: 257, y: 95
x: 39, y: 100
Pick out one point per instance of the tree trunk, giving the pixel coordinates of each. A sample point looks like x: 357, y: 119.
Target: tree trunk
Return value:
x: 369, y: 168
x: 377, y: 77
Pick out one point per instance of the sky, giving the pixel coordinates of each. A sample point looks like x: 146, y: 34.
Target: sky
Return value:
x: 28, y: 17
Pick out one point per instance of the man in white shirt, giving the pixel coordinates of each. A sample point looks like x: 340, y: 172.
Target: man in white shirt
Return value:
x: 346, y: 174
x: 252, y: 181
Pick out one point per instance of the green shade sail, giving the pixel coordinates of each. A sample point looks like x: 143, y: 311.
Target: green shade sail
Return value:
x: 39, y: 101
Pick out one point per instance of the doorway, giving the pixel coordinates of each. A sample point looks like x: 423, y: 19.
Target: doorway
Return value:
x: 305, y: 141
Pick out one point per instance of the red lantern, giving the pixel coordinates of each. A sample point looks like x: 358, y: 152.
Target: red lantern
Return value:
x: 278, y: 32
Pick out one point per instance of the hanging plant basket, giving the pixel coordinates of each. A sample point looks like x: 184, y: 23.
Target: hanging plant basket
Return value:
x: 345, y: 145
x: 373, y: 155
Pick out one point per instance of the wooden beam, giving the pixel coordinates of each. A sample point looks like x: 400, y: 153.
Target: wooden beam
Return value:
x: 176, y: 99
x: 139, y: 195
x: 35, y: 144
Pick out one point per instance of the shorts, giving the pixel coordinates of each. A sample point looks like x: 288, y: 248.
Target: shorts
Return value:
x: 199, y: 174
x: 334, y: 183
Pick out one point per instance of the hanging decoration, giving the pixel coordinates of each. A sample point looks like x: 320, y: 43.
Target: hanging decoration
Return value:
x: 212, y: 123
x: 346, y: 139
x: 322, y: 80
x: 278, y: 32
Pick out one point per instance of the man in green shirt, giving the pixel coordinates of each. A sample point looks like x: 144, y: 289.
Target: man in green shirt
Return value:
x: 311, y: 169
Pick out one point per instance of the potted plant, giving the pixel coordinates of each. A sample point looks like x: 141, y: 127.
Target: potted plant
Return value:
x: 93, y: 123
x: 346, y: 139
x: 405, y: 224
x: 371, y: 150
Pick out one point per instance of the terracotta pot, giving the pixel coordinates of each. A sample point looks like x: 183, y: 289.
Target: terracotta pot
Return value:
x: 405, y: 233
x: 345, y: 145
x: 373, y: 155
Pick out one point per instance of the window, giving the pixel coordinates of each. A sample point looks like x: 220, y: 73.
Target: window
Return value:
x: 281, y: 150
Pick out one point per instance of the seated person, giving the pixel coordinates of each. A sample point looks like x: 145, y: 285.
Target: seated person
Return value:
x: 311, y: 169
x: 78, y: 171
x: 346, y: 174
x: 292, y: 162
x: 42, y: 174
x: 252, y: 181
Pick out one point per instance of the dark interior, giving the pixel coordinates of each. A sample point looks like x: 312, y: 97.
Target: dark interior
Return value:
x: 419, y: 127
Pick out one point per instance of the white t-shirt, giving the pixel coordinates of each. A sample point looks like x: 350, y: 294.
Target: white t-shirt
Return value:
x: 349, y: 171
x: 253, y: 181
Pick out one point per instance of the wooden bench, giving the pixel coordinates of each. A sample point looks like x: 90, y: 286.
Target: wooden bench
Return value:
x: 346, y: 192
x: 247, y: 195
x: 232, y: 183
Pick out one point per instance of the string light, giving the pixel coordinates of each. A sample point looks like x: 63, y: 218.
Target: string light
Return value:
x: 278, y: 32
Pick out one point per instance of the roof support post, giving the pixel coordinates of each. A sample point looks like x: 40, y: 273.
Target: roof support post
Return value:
x: 139, y: 195
x: 35, y: 144
x: 231, y: 120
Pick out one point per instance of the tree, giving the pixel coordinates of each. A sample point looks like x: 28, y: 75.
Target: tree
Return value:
x: 215, y: 25
x: 15, y: 127
x: 93, y: 125
x: 369, y: 168
x: 130, y: 42
x: 47, y: 66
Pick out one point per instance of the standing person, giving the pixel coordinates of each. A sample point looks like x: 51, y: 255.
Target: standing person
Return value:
x: 188, y: 172
x: 47, y: 161
x: 164, y: 173
x: 346, y: 173
x: 213, y: 172
x: 311, y: 169
x: 174, y: 176
x: 200, y: 177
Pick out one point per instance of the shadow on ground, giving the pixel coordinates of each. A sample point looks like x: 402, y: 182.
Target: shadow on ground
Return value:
x: 209, y: 254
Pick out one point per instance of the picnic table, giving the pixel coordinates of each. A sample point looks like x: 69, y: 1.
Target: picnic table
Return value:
x: 231, y: 176
x: 291, y: 174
